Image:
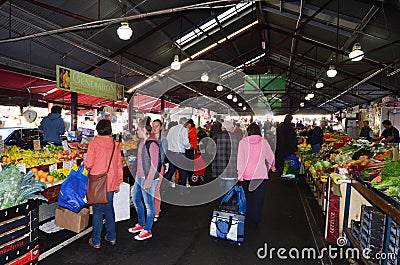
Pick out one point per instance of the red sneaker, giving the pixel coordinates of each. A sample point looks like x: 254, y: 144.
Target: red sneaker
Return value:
x: 136, y: 229
x: 144, y: 235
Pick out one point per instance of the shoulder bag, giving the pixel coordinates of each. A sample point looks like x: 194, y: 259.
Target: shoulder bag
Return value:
x: 96, y: 192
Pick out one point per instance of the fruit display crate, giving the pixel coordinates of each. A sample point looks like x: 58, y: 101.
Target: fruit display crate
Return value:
x: 19, y: 231
x: 69, y: 163
x: 51, y: 193
x: 355, y: 229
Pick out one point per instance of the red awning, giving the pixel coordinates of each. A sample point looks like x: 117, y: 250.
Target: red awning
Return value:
x: 145, y: 104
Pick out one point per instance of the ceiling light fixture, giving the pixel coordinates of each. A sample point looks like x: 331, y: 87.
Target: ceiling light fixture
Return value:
x: 235, y: 99
x: 204, y: 77
x: 307, y: 98
x: 244, y: 108
x: 240, y: 104
x: 319, y: 84
x: 301, y: 104
x: 124, y: 31
x: 176, y: 64
x: 220, y: 88
x: 356, y: 54
x: 331, y: 71
x: 229, y: 96
x: 311, y: 95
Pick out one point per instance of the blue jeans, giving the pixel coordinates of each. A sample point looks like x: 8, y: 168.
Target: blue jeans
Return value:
x: 106, y: 210
x: 315, y: 148
x: 138, y: 192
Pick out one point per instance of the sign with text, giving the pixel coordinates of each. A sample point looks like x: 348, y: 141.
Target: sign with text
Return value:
x: 74, y: 81
x: 267, y: 83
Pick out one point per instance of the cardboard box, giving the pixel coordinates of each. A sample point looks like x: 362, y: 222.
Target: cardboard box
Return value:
x: 69, y: 220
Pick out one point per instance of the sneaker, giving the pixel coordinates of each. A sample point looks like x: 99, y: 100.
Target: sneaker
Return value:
x: 144, y: 235
x: 93, y: 245
x: 136, y: 229
x: 156, y: 218
x: 173, y: 185
x: 187, y: 185
x: 112, y: 243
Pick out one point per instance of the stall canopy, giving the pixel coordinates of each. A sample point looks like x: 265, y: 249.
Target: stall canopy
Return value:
x: 143, y: 103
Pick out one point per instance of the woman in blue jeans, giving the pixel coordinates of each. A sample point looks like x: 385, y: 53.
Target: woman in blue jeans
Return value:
x: 103, y: 148
x: 146, y: 180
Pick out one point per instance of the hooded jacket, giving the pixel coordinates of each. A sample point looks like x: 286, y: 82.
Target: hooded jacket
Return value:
x: 255, y: 158
x: 98, y: 158
x: 52, y: 126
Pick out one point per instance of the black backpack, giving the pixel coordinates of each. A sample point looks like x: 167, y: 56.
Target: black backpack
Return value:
x: 146, y: 160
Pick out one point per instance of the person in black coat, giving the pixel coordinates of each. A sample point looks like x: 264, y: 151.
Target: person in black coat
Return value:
x: 286, y: 142
x: 317, y: 137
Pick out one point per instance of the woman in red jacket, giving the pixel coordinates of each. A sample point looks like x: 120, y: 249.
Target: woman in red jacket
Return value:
x: 97, y: 160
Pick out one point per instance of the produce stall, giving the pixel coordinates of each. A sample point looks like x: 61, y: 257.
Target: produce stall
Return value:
x: 357, y: 185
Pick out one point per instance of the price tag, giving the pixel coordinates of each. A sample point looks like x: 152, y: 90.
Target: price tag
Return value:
x: 72, y: 162
x: 21, y: 167
x: 36, y: 145
x: 65, y: 145
x: 52, y: 167
x: 67, y: 164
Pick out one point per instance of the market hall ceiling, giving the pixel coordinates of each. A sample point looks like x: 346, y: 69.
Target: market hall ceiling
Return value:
x: 297, y: 38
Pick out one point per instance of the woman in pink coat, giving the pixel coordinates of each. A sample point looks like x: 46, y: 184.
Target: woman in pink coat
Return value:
x: 255, y: 159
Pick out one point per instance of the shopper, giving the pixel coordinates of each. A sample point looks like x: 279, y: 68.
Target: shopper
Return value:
x: 317, y: 137
x: 255, y: 159
x: 286, y: 142
x: 366, y: 131
x: 215, y: 129
x: 237, y: 131
x: 390, y: 134
x: 201, y: 134
x: 178, y: 142
x: 146, y: 180
x: 224, y: 165
x: 189, y: 153
x: 53, y: 126
x: 97, y: 160
x: 162, y: 143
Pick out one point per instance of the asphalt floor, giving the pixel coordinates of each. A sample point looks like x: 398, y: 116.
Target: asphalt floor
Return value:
x: 291, y: 219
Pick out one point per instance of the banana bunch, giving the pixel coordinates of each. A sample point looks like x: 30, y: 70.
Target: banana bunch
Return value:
x: 324, y: 178
x: 335, y: 178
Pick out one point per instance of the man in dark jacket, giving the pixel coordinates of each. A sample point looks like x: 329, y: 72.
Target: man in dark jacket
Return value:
x: 286, y: 142
x: 224, y: 165
x: 53, y: 126
x: 366, y: 131
x: 317, y: 137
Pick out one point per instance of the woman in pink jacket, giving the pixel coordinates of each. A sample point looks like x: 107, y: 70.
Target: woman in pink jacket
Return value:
x: 97, y: 160
x: 255, y: 159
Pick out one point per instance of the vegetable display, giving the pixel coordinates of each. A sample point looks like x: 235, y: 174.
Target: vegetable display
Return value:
x: 16, y: 188
x: 390, y: 179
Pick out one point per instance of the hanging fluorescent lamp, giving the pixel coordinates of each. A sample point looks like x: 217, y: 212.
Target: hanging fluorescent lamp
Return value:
x: 331, y: 71
x: 319, y: 84
x: 229, y: 96
x: 176, y: 64
x: 301, y: 104
x: 234, y: 99
x: 356, y: 54
x: 240, y: 104
x: 204, y: 77
x: 311, y: 95
x: 220, y: 88
x: 307, y: 98
x: 124, y: 31
x: 244, y: 108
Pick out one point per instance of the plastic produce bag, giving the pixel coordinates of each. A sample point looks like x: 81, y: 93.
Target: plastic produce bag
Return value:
x: 73, y: 191
x: 234, y: 201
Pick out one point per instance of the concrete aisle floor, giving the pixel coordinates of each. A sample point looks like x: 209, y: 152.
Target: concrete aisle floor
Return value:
x: 291, y: 219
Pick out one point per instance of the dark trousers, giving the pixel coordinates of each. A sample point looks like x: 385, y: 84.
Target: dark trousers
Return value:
x: 174, y: 160
x: 254, y: 201
x: 189, y: 153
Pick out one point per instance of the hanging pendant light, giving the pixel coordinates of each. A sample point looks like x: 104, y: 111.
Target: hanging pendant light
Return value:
x: 234, y: 99
x: 244, y: 108
x: 331, y: 71
x: 240, y: 104
x: 356, y: 54
x: 204, y: 77
x: 319, y: 84
x: 301, y: 104
x: 229, y: 96
x: 220, y: 88
x: 176, y: 64
x: 124, y: 31
x: 310, y: 95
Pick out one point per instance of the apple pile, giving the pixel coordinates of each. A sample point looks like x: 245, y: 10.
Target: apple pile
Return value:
x: 69, y: 155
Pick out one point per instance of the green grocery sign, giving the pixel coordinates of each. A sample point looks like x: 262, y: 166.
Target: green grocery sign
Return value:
x: 272, y: 103
x: 74, y: 81
x: 267, y: 83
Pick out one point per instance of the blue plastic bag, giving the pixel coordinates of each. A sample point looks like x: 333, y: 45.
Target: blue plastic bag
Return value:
x: 294, y: 162
x: 240, y: 203
x: 73, y: 191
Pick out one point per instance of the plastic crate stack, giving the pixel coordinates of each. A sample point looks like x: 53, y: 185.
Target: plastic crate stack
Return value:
x: 356, y: 230
x: 19, y: 234
x: 394, y: 244
x: 372, y: 229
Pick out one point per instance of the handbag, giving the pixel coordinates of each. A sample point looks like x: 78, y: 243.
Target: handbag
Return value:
x: 96, y: 192
x: 234, y: 201
x: 228, y: 226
